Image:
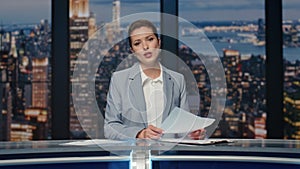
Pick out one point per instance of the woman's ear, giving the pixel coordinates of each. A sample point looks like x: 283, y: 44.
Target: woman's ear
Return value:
x: 131, y: 50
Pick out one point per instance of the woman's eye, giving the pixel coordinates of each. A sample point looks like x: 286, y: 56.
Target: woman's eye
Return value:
x: 150, y: 39
x: 136, y: 44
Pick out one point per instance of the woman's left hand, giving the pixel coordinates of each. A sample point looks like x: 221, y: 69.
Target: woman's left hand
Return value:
x: 197, y: 134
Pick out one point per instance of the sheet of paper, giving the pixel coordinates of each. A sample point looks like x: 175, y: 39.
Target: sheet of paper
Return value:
x: 197, y: 142
x: 181, y: 121
x: 92, y: 142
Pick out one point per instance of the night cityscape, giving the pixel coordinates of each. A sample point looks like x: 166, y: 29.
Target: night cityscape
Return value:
x: 25, y: 73
x: 25, y: 52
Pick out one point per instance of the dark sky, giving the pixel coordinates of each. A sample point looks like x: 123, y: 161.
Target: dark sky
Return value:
x: 24, y: 11
x: 198, y: 10
x: 32, y: 11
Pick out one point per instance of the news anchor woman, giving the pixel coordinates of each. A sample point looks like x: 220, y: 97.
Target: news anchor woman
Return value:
x: 142, y: 96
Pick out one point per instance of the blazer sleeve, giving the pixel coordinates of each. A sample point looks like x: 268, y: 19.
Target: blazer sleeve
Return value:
x: 114, y: 127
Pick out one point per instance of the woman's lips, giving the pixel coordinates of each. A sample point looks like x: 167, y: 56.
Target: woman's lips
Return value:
x: 148, y: 55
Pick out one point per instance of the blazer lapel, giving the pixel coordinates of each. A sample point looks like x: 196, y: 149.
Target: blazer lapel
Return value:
x: 168, y: 90
x: 136, y: 93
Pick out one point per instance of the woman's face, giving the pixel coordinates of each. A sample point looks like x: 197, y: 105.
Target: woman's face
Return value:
x: 145, y: 45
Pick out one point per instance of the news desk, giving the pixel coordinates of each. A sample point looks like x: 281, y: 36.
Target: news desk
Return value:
x: 144, y: 154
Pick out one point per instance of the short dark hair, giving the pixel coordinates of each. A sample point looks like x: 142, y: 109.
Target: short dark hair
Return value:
x: 138, y: 24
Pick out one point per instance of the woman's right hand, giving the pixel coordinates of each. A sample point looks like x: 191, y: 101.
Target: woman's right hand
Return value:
x: 151, y: 132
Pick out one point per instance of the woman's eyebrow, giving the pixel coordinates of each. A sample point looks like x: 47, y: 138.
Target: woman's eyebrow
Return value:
x: 137, y: 40
x: 149, y: 36
x: 143, y: 37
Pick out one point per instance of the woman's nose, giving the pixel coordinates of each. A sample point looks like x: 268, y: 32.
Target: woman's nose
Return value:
x: 145, y: 46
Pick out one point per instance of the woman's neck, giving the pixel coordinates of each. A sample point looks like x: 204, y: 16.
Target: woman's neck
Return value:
x: 152, y: 71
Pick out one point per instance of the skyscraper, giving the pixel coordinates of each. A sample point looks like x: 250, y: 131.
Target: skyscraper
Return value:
x: 39, y: 83
x: 116, y: 15
x: 261, y: 30
x: 79, y: 26
x: 92, y: 24
x: 79, y: 8
x: 292, y: 111
x: 82, y: 26
x: 233, y: 73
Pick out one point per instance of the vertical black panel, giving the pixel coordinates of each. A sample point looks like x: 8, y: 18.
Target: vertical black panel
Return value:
x: 169, y: 25
x: 274, y: 69
x: 60, y: 69
x: 1, y: 114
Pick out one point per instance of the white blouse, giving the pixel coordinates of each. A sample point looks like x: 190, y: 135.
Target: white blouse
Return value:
x: 154, y: 98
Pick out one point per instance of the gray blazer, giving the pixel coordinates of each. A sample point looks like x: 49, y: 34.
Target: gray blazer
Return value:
x: 125, y: 113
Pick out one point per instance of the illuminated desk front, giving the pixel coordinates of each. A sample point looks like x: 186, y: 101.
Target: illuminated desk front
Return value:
x: 150, y: 154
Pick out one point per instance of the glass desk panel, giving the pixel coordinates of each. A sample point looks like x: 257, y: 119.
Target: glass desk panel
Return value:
x: 61, y: 154
x: 83, y: 165
x: 219, y: 164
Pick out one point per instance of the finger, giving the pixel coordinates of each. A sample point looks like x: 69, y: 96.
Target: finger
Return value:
x: 155, y: 129
x: 152, y: 133
x: 198, y: 130
x: 151, y: 136
x: 142, y: 134
x: 198, y: 134
x: 195, y: 133
x: 194, y: 137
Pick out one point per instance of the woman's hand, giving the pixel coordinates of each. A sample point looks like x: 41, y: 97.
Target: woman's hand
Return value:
x: 197, y: 134
x: 151, y: 132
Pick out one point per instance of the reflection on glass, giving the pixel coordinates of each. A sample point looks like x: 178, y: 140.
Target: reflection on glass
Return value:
x: 291, y: 56
x: 237, y: 31
x: 86, y: 17
x: 25, y: 70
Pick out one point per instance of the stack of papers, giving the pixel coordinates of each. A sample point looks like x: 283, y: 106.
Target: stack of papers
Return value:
x: 181, y: 121
x: 197, y: 142
x: 92, y: 142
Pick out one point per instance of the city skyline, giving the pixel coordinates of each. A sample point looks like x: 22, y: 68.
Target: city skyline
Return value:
x: 27, y: 92
x: 12, y: 12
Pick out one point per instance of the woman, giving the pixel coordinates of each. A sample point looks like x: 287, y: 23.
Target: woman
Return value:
x: 142, y: 96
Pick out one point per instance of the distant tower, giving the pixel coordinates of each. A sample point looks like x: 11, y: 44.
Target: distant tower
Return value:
x: 291, y: 111
x: 13, y: 49
x: 82, y: 26
x: 13, y: 73
x: 92, y: 24
x: 232, y: 66
x: 79, y: 8
x: 38, y: 113
x: 79, y: 22
x: 261, y: 30
x: 40, y: 83
x: 116, y: 15
x: 45, y: 27
x: 233, y: 73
